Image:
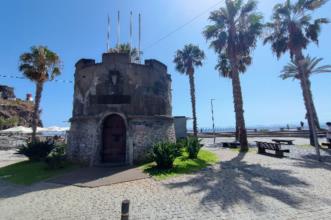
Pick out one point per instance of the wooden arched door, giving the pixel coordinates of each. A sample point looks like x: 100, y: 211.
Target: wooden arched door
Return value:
x: 114, y: 140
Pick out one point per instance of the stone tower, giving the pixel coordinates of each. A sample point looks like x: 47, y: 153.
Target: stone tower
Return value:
x: 120, y: 110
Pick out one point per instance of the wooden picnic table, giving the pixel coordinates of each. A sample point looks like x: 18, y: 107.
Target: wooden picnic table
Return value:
x: 283, y: 141
x: 263, y: 146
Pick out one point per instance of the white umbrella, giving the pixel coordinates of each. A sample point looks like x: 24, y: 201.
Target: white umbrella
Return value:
x: 21, y: 129
x: 56, y: 129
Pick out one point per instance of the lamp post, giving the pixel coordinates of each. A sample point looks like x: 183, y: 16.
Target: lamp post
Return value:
x: 212, y: 118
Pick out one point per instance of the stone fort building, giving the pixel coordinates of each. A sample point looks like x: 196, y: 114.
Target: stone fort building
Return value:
x: 120, y: 110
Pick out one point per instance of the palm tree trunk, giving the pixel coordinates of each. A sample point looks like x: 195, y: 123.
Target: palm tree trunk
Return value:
x: 236, y: 87
x: 237, y: 131
x: 35, y: 119
x: 193, y: 101
x: 309, y: 109
x: 313, y: 109
x: 305, y: 86
x: 310, y: 95
x: 239, y: 110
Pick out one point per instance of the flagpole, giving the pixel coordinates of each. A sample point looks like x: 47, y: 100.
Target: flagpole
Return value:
x: 108, y: 34
x: 118, y: 29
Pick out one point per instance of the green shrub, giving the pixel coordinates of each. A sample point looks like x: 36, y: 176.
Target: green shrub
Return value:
x: 57, y: 158
x: 36, y: 151
x: 164, y: 154
x: 193, y: 146
x: 8, y: 123
x: 182, y: 143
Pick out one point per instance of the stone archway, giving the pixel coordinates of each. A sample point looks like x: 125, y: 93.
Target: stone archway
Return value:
x: 113, y: 140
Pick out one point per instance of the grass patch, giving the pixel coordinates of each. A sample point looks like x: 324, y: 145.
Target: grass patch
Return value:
x: 182, y: 165
x: 27, y: 172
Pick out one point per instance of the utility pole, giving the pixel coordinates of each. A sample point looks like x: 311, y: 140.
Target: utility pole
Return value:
x: 212, y: 118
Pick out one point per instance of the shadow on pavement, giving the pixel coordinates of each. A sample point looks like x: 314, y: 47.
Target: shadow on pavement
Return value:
x: 236, y: 181
x: 84, y: 177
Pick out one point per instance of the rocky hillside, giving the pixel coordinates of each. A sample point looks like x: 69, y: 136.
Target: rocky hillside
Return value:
x: 16, y: 113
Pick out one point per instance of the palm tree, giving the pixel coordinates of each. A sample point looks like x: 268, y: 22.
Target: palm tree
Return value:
x: 233, y: 36
x: 126, y: 48
x: 291, y: 30
x: 186, y: 60
x: 310, y: 67
x: 39, y: 65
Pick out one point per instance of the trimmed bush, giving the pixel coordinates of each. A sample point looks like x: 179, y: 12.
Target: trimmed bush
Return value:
x: 193, y: 146
x: 57, y: 158
x: 36, y: 151
x: 164, y: 154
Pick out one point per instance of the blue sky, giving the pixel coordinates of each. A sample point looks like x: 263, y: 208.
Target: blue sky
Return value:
x: 77, y: 29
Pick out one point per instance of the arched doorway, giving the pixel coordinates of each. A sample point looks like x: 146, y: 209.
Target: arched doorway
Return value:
x: 114, y: 140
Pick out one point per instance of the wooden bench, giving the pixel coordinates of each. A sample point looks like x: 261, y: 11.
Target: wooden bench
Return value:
x: 263, y: 146
x: 282, y: 141
x: 327, y: 145
x: 231, y: 144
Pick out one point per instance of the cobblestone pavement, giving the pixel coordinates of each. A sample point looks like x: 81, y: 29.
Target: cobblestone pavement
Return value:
x: 241, y: 186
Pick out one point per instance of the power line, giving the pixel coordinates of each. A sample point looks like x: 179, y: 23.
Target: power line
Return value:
x: 182, y: 26
x: 21, y: 77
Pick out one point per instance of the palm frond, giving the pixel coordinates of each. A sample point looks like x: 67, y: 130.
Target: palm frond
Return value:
x: 310, y: 66
x: 235, y: 27
x: 189, y: 57
x: 292, y: 28
x: 40, y: 64
x: 249, y: 7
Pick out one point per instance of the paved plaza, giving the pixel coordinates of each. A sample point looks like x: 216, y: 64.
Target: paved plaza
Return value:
x: 241, y: 186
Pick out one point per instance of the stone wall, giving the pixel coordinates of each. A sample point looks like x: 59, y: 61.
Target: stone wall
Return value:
x: 118, y: 85
x: 147, y: 131
x: 85, y: 138
x: 82, y: 140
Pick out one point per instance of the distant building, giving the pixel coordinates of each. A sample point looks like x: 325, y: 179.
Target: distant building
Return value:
x: 180, y: 126
x: 7, y: 92
x: 120, y: 110
x: 29, y: 97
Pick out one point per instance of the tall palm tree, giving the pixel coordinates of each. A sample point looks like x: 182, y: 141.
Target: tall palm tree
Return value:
x: 39, y: 65
x: 310, y: 67
x: 186, y: 60
x: 233, y: 36
x: 291, y: 30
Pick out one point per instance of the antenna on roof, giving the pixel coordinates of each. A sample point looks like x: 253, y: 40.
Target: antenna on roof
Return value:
x: 139, y: 43
x: 118, y: 29
x: 108, y: 34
